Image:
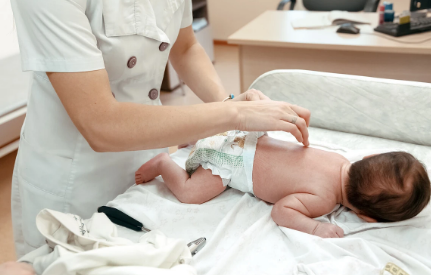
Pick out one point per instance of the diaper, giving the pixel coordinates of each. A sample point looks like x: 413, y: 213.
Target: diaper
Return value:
x: 229, y: 155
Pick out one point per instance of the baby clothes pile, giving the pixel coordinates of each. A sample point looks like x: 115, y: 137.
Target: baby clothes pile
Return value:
x: 92, y: 247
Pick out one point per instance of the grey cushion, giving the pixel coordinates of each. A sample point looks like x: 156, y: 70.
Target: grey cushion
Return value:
x: 389, y: 109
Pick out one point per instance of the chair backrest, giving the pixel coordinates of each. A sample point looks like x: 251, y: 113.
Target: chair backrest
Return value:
x: 329, y: 5
x: 384, y: 108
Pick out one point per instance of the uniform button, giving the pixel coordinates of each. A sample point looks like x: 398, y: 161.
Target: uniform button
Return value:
x: 153, y: 94
x: 132, y: 62
x: 163, y: 46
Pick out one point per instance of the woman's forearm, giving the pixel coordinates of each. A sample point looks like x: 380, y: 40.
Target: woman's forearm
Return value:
x: 130, y: 126
x: 109, y: 125
x: 195, y: 68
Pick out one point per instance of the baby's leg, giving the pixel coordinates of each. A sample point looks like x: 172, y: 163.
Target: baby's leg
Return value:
x: 201, y: 187
x: 149, y: 170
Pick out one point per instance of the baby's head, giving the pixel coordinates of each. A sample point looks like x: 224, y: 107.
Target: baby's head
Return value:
x: 388, y: 187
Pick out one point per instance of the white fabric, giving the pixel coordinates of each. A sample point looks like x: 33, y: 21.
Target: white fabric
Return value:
x: 55, y: 167
x: 243, y: 239
x: 229, y: 155
x: 77, y: 246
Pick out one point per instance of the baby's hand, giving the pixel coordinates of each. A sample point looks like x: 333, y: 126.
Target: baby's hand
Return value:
x: 328, y: 230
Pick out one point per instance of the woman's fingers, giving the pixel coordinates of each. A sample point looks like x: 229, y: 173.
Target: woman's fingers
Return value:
x: 254, y: 95
x: 251, y: 95
x: 261, y: 95
x: 287, y: 109
x: 302, y: 112
x: 302, y: 126
x: 291, y: 128
x: 268, y: 115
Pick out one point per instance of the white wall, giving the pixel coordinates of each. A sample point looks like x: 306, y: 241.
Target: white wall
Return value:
x: 228, y: 16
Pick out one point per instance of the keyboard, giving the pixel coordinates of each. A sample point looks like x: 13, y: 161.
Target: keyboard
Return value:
x: 420, y: 23
x: 416, y: 25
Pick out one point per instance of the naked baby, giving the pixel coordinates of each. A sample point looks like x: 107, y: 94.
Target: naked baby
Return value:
x: 301, y: 182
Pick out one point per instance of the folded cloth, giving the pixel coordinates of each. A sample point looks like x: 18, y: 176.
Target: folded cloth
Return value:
x: 77, y: 246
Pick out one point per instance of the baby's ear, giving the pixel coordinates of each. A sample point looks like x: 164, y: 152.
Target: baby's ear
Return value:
x: 366, y: 218
x: 369, y: 156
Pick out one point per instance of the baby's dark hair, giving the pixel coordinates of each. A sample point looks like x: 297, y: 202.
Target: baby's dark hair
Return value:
x: 388, y: 187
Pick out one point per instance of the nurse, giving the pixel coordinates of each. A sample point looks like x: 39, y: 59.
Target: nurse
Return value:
x: 94, y: 113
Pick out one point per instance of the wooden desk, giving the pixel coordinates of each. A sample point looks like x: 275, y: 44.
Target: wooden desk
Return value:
x: 269, y: 42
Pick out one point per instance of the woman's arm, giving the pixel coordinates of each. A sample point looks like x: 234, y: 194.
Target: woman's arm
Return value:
x: 193, y: 66
x: 109, y: 125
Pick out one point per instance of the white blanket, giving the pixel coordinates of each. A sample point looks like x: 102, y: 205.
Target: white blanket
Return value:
x: 243, y: 239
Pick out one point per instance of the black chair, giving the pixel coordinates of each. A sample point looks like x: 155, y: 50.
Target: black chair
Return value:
x: 284, y: 2
x: 329, y: 5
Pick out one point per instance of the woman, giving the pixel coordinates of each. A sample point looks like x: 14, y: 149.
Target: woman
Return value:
x: 93, y: 114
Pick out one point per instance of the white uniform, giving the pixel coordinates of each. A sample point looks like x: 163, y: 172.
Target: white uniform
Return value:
x: 55, y: 167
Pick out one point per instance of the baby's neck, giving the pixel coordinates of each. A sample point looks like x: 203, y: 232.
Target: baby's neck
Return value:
x: 344, y: 179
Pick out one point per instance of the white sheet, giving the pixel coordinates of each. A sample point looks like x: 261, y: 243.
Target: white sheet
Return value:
x: 243, y: 239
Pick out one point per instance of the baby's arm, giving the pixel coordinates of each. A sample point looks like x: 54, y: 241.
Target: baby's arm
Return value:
x: 297, y: 210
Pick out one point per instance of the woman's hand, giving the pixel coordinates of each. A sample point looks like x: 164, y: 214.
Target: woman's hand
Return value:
x: 251, y: 95
x: 268, y: 115
x: 15, y: 268
x: 285, y: 116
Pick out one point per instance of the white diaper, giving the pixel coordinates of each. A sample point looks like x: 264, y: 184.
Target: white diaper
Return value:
x: 229, y: 155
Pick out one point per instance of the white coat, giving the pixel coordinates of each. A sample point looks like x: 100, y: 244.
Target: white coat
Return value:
x: 55, y: 166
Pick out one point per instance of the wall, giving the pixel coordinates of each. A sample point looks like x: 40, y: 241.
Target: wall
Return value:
x: 228, y: 16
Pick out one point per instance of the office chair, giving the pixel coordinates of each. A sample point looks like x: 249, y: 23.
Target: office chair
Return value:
x: 328, y: 5
x: 284, y: 2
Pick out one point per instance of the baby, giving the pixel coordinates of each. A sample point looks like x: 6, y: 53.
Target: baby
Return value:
x: 303, y: 183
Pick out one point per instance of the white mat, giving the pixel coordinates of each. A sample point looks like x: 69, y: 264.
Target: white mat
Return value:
x: 243, y: 239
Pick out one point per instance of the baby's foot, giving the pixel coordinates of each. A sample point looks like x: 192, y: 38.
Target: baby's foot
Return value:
x: 148, y: 171
x: 139, y: 178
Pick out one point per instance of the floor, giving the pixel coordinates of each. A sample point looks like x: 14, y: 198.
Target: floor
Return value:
x: 6, y: 243
x: 227, y: 67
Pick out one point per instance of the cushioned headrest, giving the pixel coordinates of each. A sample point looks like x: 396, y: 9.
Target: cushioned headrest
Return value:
x: 390, y: 109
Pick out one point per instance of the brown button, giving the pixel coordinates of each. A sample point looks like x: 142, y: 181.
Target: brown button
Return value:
x: 132, y: 62
x: 153, y: 94
x: 163, y: 46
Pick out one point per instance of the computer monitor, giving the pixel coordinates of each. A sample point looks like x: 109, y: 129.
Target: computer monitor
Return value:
x: 416, y: 5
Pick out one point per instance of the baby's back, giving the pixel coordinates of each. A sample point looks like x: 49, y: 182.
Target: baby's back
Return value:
x: 282, y: 168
